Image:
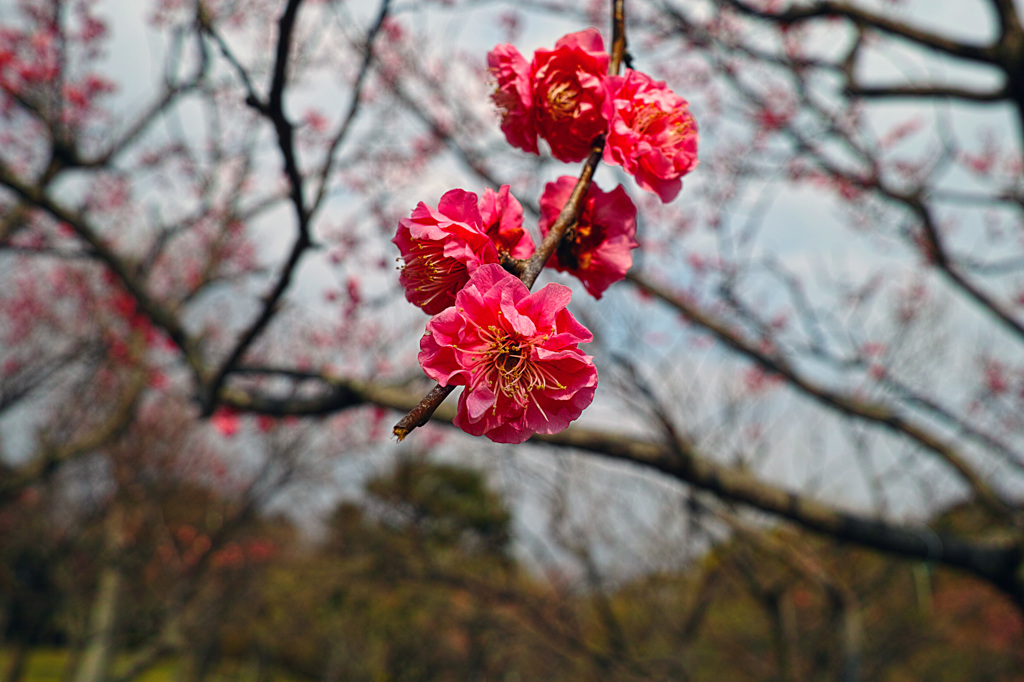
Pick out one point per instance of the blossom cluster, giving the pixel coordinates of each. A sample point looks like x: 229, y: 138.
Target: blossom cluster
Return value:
x: 516, y: 353
x: 566, y: 97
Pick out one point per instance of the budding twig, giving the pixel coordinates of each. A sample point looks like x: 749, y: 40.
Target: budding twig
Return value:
x: 529, y: 272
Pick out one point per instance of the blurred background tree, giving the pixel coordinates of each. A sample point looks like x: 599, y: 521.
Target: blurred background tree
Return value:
x: 805, y: 455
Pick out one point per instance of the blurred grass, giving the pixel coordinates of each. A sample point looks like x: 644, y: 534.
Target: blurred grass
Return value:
x: 48, y: 665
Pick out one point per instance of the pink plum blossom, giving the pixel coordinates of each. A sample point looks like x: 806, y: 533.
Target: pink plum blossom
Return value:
x: 569, y: 93
x: 225, y: 420
x: 502, y: 216
x: 515, y: 352
x: 440, y: 248
x: 651, y: 133
x: 597, y: 249
x: 513, y: 96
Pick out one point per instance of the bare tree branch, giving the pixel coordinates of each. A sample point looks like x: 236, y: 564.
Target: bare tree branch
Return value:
x: 875, y: 413
x: 869, y: 19
x: 274, y: 110
x: 926, y: 91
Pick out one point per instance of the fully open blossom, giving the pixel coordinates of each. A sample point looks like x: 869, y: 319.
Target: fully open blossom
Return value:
x: 502, y: 216
x: 559, y: 96
x: 515, y: 352
x: 651, y: 133
x: 513, y: 96
x: 441, y: 248
x: 569, y: 93
x: 597, y: 250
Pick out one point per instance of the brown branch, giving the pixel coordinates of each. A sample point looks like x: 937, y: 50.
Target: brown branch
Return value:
x: 273, y: 110
x: 866, y: 18
x: 13, y: 219
x: 1006, y: 12
x: 941, y: 259
x: 420, y: 415
x: 994, y: 561
x: 927, y: 90
x: 997, y: 562
x: 566, y: 219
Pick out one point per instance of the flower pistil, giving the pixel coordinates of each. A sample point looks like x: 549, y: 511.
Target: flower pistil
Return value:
x: 506, y: 366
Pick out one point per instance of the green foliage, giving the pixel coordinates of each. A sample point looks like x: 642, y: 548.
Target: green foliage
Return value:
x: 445, y: 505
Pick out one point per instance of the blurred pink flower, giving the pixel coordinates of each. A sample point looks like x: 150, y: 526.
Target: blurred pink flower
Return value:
x: 515, y: 352
x: 569, y: 93
x: 502, y: 216
x: 651, y: 133
x: 513, y: 96
x: 440, y: 248
x: 597, y: 250
x: 225, y: 420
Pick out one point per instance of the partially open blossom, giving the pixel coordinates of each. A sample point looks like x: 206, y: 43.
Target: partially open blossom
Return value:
x: 502, y: 216
x: 597, y: 250
x: 651, y: 133
x: 515, y: 352
x: 569, y: 93
x: 513, y: 96
x: 440, y: 248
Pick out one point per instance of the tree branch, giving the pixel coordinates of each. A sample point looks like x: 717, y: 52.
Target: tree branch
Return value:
x: 875, y: 413
x: 160, y: 315
x: 941, y: 258
x: 866, y: 18
x: 354, y: 104
x: 273, y: 110
x: 997, y: 562
x: 926, y: 91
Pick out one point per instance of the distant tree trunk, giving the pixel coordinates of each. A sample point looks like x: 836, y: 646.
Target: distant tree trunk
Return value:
x: 197, y: 662
x: 16, y: 664
x: 260, y: 671
x: 335, y: 660
x: 99, y: 643
x: 852, y: 641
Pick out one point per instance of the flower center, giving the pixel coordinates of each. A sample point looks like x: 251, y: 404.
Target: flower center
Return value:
x: 680, y: 129
x: 505, y: 101
x: 563, y: 98
x: 576, y: 251
x: 646, y: 116
x: 432, y: 273
x: 504, y: 364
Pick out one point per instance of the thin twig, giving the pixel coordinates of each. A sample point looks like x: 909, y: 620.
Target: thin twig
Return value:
x: 273, y: 110
x: 354, y: 105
